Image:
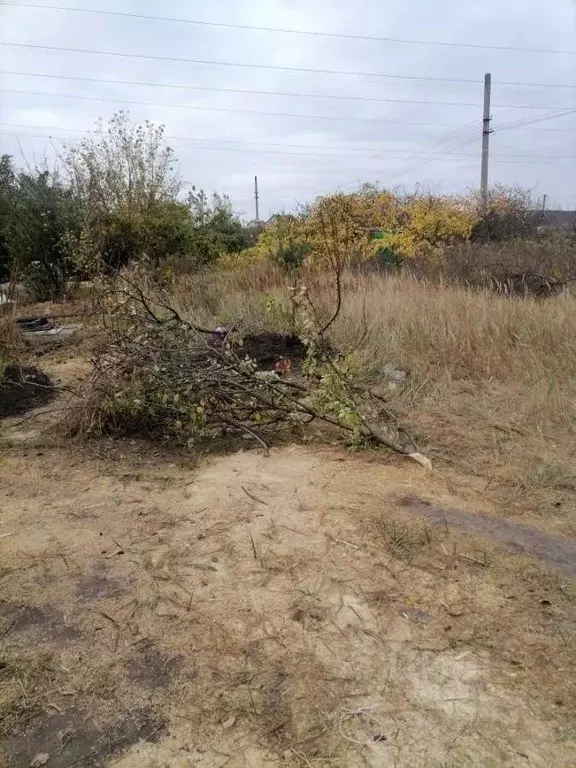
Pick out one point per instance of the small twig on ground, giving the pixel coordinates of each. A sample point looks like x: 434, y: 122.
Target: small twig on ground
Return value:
x: 118, y: 630
x: 253, y: 497
x: 36, y: 414
x: 254, y: 551
x: 245, y: 428
x: 7, y: 628
x: 341, y: 541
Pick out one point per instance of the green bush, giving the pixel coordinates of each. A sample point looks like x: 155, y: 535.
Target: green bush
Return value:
x: 37, y: 213
x: 7, y: 196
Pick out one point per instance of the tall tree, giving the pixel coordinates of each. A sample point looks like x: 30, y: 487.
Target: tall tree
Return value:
x: 7, y: 195
x: 216, y: 228
x: 125, y: 178
x: 45, y: 213
x: 123, y: 166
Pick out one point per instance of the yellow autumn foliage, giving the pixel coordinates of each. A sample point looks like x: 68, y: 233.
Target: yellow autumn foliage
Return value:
x: 427, y: 224
x: 342, y: 227
x: 282, y: 236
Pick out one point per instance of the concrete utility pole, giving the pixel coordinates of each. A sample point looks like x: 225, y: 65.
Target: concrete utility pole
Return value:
x: 486, y: 131
x: 256, y: 198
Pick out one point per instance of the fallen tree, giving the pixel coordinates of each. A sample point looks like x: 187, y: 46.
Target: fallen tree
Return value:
x: 162, y: 375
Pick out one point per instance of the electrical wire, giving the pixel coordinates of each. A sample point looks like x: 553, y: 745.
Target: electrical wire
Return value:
x: 520, y: 159
x: 216, y: 109
x: 435, y: 156
x: 442, y: 154
x: 271, y: 114
x: 233, y: 90
x: 264, y: 150
x: 522, y: 123
x: 449, y: 139
x: 312, y: 33
x: 343, y: 148
x: 266, y: 93
x: 305, y: 70
x: 196, y: 138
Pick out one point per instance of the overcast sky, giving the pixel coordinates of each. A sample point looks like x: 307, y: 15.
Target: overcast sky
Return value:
x: 224, y: 140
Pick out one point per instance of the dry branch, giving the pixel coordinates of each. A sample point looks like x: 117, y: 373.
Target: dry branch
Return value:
x: 165, y: 376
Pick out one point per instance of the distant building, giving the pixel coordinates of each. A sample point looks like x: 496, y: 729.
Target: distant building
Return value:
x: 557, y: 221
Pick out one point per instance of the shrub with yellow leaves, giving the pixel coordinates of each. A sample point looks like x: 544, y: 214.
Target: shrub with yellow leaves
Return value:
x: 348, y: 229
x: 427, y: 224
x: 282, y: 241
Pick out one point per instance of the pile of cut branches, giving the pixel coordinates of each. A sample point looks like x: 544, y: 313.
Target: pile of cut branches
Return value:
x: 161, y: 375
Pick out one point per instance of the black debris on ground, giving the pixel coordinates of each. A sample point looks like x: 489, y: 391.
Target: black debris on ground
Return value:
x: 35, y: 323
x: 266, y: 347
x: 23, y: 387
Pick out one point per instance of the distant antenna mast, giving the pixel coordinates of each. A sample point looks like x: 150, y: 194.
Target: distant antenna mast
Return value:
x: 256, y: 198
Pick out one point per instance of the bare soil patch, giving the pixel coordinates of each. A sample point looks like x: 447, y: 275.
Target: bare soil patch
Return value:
x: 281, y: 611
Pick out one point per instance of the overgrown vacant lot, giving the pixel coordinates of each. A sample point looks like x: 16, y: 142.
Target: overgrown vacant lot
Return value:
x: 490, y: 384
x: 316, y: 606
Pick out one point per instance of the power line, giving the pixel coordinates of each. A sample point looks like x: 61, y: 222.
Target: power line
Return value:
x: 522, y: 123
x: 436, y: 156
x: 375, y: 152
x: 448, y: 140
x: 260, y: 112
x: 231, y: 90
x: 244, y: 111
x: 435, y: 150
x: 311, y: 33
x: 267, y: 93
x: 306, y: 70
x: 450, y: 150
x: 217, y: 109
x: 521, y: 159
x: 396, y: 122
x: 376, y: 155
x: 196, y: 138
x: 386, y: 171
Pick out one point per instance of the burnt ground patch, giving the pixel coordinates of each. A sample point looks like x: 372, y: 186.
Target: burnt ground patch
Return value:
x: 44, y: 620
x: 267, y: 347
x: 150, y: 668
x: 97, y: 584
x: 76, y: 738
x: 23, y: 387
x: 556, y: 551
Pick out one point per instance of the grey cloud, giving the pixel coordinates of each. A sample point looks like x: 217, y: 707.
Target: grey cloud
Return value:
x: 288, y: 178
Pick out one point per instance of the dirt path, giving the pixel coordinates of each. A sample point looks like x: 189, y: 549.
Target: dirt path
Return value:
x: 288, y: 611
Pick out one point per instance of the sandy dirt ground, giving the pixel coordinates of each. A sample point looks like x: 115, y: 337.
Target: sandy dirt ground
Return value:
x: 310, y: 608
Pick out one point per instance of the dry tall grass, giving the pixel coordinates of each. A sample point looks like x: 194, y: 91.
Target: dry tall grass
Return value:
x: 439, y: 332
x: 12, y: 344
x: 491, y: 380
